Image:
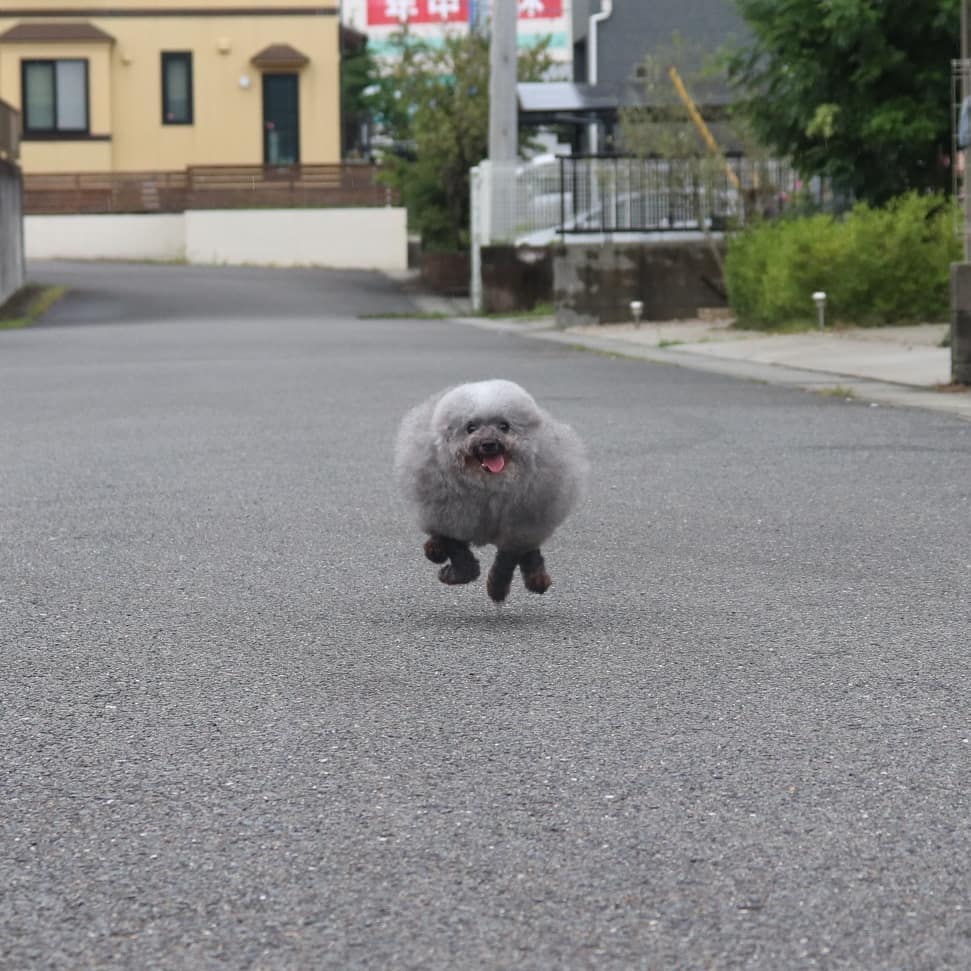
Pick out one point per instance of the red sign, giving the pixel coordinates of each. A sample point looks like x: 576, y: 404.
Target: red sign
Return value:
x: 418, y: 11
x: 390, y: 12
x: 540, y: 9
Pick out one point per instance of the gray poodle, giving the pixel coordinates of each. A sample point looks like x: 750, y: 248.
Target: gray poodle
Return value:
x: 484, y: 464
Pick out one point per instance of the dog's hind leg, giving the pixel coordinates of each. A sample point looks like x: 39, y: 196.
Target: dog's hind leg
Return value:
x: 534, y: 572
x: 463, y: 568
x: 500, y: 576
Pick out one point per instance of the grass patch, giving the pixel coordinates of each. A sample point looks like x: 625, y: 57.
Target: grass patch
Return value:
x: 667, y: 343
x: 27, y: 304
x: 796, y: 325
x: 840, y: 391
x: 540, y: 310
x: 417, y: 315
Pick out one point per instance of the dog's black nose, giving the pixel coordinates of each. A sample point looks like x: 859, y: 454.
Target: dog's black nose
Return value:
x: 490, y: 447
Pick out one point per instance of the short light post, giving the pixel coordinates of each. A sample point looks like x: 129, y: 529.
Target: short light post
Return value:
x: 636, y: 311
x: 819, y: 298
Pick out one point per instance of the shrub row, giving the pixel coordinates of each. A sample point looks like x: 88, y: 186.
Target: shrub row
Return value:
x: 877, y: 266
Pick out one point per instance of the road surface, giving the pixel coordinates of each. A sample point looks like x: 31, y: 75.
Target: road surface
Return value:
x: 244, y: 726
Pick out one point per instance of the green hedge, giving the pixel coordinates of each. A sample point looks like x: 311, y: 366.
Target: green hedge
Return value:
x: 877, y: 266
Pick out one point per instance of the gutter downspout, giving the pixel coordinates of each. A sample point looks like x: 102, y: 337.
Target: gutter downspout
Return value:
x: 593, y: 65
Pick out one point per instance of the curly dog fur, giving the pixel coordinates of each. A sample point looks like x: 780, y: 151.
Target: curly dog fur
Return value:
x: 483, y: 464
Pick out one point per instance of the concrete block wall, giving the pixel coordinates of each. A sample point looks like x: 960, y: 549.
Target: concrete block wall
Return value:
x: 11, y: 231
x: 595, y: 284
x: 361, y: 238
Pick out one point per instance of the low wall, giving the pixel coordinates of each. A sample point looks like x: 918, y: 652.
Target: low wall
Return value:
x: 361, y: 239
x: 11, y: 231
x: 105, y: 237
x: 516, y: 277
x: 596, y: 284
x: 364, y: 238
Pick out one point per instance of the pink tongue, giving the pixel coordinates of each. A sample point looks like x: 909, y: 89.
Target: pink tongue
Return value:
x: 494, y: 463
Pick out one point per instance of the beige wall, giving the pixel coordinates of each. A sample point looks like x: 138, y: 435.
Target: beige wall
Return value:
x: 125, y: 99
x: 366, y: 239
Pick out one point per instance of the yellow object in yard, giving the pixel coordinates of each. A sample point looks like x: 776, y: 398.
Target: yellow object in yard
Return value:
x: 700, y: 123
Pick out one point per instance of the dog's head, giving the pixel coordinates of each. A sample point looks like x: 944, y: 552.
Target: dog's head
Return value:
x: 486, y: 429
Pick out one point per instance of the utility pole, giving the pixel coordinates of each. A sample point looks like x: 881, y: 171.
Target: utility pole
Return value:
x: 503, y: 110
x: 503, y: 120
x: 961, y: 272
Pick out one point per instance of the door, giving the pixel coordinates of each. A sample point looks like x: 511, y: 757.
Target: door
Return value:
x: 281, y: 119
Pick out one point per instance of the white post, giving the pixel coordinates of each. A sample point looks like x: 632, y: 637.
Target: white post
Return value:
x: 475, y: 203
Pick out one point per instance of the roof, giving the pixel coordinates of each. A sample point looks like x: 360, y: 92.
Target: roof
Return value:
x: 45, y: 33
x: 544, y: 97
x: 549, y: 97
x: 279, y: 55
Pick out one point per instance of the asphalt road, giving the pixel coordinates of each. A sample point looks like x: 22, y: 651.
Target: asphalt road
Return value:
x: 244, y: 726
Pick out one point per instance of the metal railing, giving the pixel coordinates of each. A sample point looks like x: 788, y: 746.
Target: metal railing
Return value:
x: 206, y: 187
x: 533, y: 203
x: 608, y: 194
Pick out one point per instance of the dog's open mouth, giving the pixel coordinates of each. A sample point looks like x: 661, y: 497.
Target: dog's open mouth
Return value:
x: 490, y: 457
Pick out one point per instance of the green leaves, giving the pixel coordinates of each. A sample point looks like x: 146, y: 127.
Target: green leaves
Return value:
x: 856, y: 90
x: 438, y: 98
x: 878, y: 266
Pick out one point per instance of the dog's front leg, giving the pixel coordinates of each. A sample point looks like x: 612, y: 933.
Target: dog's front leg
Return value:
x: 500, y: 576
x: 463, y: 568
x: 534, y: 572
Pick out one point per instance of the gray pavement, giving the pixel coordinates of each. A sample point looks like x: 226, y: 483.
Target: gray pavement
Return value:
x: 905, y: 366
x: 245, y: 727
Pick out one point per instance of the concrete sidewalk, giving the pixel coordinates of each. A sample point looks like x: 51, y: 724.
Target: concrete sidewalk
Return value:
x: 903, y: 366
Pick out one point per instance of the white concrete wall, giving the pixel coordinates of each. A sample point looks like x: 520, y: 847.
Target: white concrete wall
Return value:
x: 365, y: 238
x: 105, y: 237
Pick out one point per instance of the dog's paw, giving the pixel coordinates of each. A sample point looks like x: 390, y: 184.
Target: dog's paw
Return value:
x: 453, y: 575
x: 435, y: 550
x: 497, y: 587
x: 538, y: 582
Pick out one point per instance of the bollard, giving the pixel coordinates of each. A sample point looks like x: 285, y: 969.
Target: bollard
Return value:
x: 819, y: 298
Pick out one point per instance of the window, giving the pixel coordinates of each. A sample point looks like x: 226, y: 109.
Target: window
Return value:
x: 177, y: 88
x: 55, y: 98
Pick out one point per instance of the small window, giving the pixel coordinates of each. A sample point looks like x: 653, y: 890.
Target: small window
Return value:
x: 177, y: 88
x: 55, y: 98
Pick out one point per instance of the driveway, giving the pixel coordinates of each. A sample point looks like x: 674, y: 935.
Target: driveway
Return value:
x: 245, y: 727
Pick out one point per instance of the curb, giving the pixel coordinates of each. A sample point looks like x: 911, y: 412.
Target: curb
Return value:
x: 784, y: 375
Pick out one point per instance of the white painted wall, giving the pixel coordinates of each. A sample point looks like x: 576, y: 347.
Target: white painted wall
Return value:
x: 365, y: 238
x: 105, y: 237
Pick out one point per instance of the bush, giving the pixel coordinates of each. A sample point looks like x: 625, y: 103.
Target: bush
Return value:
x: 877, y: 266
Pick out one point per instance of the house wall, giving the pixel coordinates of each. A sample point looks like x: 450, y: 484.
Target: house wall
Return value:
x: 125, y: 82
x: 365, y: 238
x: 635, y: 29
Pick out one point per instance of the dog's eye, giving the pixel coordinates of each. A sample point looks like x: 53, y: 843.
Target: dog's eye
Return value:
x: 471, y: 427
x: 503, y: 426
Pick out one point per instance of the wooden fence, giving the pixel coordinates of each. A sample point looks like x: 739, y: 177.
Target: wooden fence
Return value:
x: 207, y: 187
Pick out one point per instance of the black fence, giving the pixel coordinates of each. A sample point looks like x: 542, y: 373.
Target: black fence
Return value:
x: 611, y: 194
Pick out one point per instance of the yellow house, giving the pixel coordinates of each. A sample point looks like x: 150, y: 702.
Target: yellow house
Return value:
x: 159, y: 85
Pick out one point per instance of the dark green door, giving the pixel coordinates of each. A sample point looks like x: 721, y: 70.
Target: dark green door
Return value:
x: 281, y: 119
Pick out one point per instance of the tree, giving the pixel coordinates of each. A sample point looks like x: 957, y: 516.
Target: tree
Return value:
x: 435, y: 100
x: 854, y: 90
x: 358, y: 71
